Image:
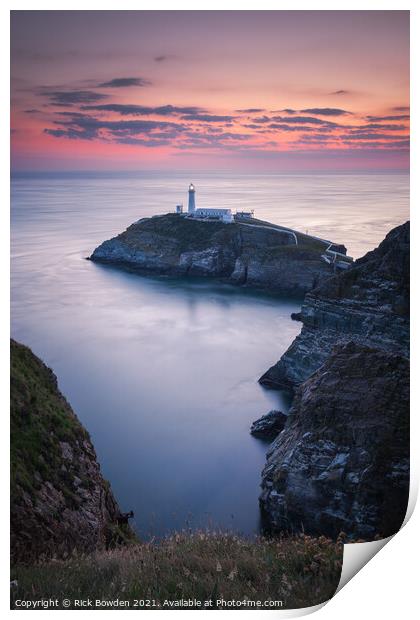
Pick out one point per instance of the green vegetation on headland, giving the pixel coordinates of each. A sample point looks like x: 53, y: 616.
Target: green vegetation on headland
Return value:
x: 298, y: 571
x: 187, y: 233
x: 191, y: 234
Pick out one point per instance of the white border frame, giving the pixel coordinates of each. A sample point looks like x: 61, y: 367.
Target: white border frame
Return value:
x: 388, y: 584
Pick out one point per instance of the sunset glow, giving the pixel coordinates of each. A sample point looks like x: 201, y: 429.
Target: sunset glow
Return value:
x: 188, y: 90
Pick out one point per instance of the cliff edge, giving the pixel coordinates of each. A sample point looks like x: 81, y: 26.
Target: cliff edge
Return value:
x: 341, y: 463
x: 368, y: 303
x: 59, y: 499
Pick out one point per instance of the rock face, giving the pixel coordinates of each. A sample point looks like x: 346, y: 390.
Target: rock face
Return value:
x: 296, y: 316
x: 59, y: 500
x: 259, y: 255
x: 269, y: 425
x: 342, y: 461
x: 368, y: 303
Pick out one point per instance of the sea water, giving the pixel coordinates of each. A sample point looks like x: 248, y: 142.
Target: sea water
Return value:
x: 163, y: 372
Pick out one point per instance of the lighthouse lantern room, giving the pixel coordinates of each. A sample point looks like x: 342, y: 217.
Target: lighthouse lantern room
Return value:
x: 191, y: 198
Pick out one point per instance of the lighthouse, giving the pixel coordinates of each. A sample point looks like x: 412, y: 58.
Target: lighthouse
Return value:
x: 191, y: 198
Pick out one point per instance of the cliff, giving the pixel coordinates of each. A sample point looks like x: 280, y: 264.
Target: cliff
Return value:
x: 59, y: 500
x: 259, y: 255
x: 342, y: 460
x: 368, y: 303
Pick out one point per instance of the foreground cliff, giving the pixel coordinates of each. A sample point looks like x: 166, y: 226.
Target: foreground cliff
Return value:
x: 63, y: 512
x: 259, y: 255
x: 59, y: 501
x: 368, y: 303
x: 341, y: 463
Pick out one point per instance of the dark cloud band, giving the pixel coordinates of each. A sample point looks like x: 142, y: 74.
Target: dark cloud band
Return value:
x: 141, y: 110
x: 72, y: 97
x: 124, y: 82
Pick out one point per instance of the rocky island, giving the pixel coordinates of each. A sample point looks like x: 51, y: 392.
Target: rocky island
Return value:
x: 245, y: 251
x: 269, y: 425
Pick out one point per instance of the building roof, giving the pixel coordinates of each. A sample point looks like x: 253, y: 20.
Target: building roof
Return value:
x: 218, y: 210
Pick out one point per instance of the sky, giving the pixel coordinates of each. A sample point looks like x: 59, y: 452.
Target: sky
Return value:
x: 242, y: 90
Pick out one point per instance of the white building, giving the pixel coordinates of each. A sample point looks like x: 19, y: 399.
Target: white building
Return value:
x: 225, y: 215
x: 245, y: 214
x: 218, y: 214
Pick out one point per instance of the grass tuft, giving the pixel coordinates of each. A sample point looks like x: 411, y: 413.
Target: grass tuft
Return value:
x: 300, y: 571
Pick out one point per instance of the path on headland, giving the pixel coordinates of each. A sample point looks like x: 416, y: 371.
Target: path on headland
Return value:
x: 284, y: 229
x: 276, y: 228
x: 332, y: 257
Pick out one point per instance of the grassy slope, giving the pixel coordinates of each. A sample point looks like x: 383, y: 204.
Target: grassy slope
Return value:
x: 190, y: 234
x: 305, y: 241
x: 40, y: 419
x: 301, y: 571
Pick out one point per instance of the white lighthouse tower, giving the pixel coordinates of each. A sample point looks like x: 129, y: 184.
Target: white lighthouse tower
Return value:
x: 191, y: 199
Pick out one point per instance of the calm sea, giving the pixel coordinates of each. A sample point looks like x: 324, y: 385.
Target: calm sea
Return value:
x: 163, y: 373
